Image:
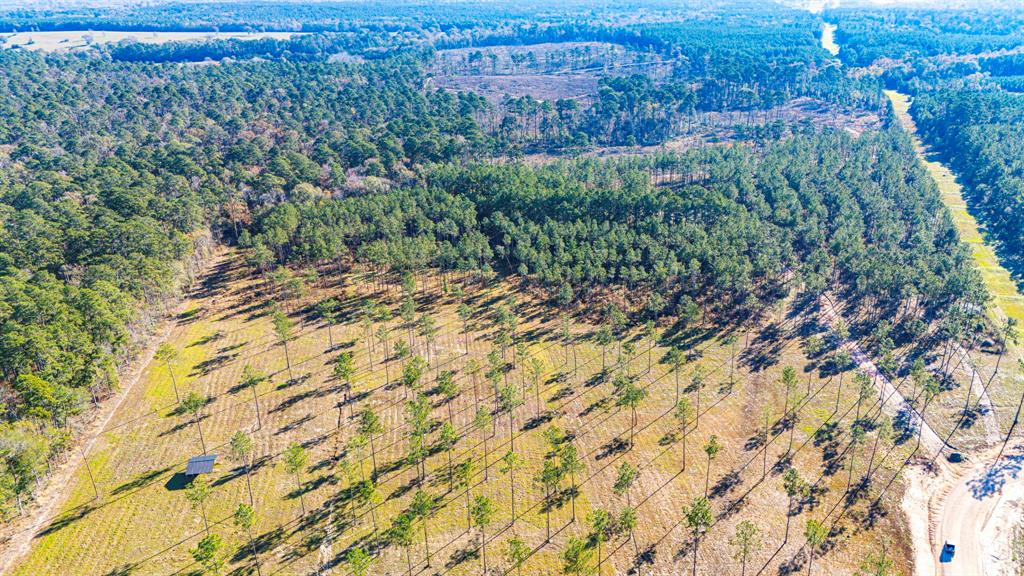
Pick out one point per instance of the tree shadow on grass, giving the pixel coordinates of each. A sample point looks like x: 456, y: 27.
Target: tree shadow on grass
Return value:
x: 312, y: 485
x: 239, y: 471
x: 210, y: 364
x: 539, y: 420
x: 294, y: 424
x: 726, y: 484
x: 971, y: 416
x: 122, y: 570
x: 141, y: 481
x: 68, y: 519
x: 208, y: 338
x: 469, y: 553
x: 765, y: 349
x: 600, y: 404
x: 611, y: 448
x: 263, y: 542
x: 300, y: 397
x: 562, y: 393
x: 293, y: 382
x: 190, y: 316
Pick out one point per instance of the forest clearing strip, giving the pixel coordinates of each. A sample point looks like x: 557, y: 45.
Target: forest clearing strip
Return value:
x: 954, y: 503
x: 1008, y: 301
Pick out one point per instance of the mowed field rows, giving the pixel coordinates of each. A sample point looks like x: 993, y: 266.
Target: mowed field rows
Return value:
x: 142, y: 522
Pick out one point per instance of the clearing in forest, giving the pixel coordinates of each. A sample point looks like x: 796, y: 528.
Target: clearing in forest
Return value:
x: 828, y: 39
x: 607, y: 390
x: 545, y: 71
x: 1008, y: 300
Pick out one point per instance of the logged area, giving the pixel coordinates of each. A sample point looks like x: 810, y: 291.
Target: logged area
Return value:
x: 556, y: 395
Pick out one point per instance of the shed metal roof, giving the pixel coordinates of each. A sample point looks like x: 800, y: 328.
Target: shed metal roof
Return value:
x: 200, y: 465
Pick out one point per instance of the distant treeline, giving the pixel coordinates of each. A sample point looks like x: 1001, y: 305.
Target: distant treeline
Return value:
x: 907, y: 33
x: 965, y: 104
x: 264, y: 15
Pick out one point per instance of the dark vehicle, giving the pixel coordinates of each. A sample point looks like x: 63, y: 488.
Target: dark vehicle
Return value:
x: 955, y: 457
x: 947, y: 552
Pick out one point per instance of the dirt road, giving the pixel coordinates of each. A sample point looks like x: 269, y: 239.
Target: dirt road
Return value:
x: 974, y: 505
x: 893, y: 401
x: 18, y: 536
x: 976, y: 510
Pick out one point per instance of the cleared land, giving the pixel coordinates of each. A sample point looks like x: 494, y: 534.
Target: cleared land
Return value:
x: 553, y: 58
x: 67, y: 41
x: 142, y: 523
x: 735, y: 128
x: 540, y: 86
x: 547, y: 71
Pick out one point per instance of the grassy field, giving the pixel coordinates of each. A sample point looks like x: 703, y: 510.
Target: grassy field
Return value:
x: 142, y: 523
x: 1007, y: 301
x: 67, y: 41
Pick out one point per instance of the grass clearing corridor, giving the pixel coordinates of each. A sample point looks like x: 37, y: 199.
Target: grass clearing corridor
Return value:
x: 1007, y: 299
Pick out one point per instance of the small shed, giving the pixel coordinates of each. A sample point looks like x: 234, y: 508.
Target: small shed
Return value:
x: 200, y: 465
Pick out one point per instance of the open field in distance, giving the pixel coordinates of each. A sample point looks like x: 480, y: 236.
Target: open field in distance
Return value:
x: 67, y: 41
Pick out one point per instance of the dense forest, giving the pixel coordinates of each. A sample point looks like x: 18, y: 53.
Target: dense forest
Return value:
x: 909, y: 34
x: 839, y: 211
x: 329, y: 16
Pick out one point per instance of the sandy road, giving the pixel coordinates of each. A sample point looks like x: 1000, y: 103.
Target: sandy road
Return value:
x: 976, y: 508
x: 893, y: 402
x: 974, y: 505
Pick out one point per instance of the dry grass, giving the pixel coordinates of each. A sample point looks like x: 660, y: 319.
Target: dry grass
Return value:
x: 143, y: 525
